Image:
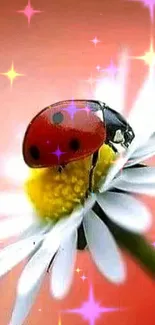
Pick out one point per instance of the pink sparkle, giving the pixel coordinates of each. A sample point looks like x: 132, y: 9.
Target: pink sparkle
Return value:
x: 58, y: 153
x: 111, y: 69
x: 29, y: 12
x: 98, y: 67
x: 95, y: 41
x: 150, y: 4
x: 91, y: 309
x: 83, y: 277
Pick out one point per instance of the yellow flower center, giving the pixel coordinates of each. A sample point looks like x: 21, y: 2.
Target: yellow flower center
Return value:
x: 55, y: 194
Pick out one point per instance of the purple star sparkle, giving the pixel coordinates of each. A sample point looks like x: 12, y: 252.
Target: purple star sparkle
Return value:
x: 91, y: 309
x: 29, y: 12
x: 58, y: 153
x: 111, y: 69
x: 71, y: 109
x: 150, y: 4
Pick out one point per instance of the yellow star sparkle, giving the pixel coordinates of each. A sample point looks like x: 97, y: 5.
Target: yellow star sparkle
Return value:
x: 148, y: 57
x: 12, y: 74
x: 78, y: 270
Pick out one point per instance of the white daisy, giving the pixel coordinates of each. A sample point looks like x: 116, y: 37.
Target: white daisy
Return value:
x: 48, y: 234
x: 58, y: 241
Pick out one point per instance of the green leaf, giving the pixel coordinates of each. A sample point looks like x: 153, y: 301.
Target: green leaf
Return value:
x: 135, y: 244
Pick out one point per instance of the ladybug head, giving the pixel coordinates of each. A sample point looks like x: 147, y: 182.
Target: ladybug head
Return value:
x: 61, y: 133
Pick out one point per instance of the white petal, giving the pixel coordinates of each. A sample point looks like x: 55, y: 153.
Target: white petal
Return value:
x: 15, y: 253
x: 103, y: 248
x: 63, y: 267
x: 134, y: 160
x: 67, y: 224
x: 35, y: 229
x: 88, y: 204
x: 14, y: 204
x: 126, y: 211
x: 35, y: 269
x: 148, y: 147
x: 24, y: 303
x: 10, y: 227
x: 148, y: 189
x: 139, y: 175
x: 38, y: 264
x: 144, y: 152
x: 106, y: 183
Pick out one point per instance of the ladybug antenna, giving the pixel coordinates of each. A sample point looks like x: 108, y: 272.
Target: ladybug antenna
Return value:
x: 91, y: 172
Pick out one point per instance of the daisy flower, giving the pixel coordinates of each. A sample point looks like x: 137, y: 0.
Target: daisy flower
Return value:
x: 57, y: 218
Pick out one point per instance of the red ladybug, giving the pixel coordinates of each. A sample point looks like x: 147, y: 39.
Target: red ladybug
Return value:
x: 71, y: 130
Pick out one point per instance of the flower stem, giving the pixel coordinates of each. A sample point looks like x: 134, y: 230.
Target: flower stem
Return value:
x: 134, y: 244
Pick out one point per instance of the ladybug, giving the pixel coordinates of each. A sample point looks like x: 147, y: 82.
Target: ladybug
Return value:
x: 73, y: 129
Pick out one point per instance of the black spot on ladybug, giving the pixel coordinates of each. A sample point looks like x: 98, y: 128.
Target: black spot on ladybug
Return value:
x: 74, y: 144
x: 34, y: 152
x: 57, y: 118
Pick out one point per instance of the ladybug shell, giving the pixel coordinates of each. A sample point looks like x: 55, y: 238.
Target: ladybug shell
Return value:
x: 54, y: 137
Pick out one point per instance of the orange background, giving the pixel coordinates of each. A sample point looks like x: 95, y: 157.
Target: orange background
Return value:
x: 56, y: 57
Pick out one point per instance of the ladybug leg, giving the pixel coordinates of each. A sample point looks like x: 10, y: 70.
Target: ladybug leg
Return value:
x: 110, y: 144
x: 60, y: 168
x: 94, y: 162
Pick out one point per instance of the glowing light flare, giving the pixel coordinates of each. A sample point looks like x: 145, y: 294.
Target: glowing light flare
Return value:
x: 15, y: 204
x: 148, y: 57
x: 142, y: 115
x: 112, y: 91
x: 14, y: 168
x: 29, y: 12
x: 11, y: 74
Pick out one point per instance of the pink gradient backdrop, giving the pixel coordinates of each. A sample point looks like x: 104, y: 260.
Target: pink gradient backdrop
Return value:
x: 56, y: 57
